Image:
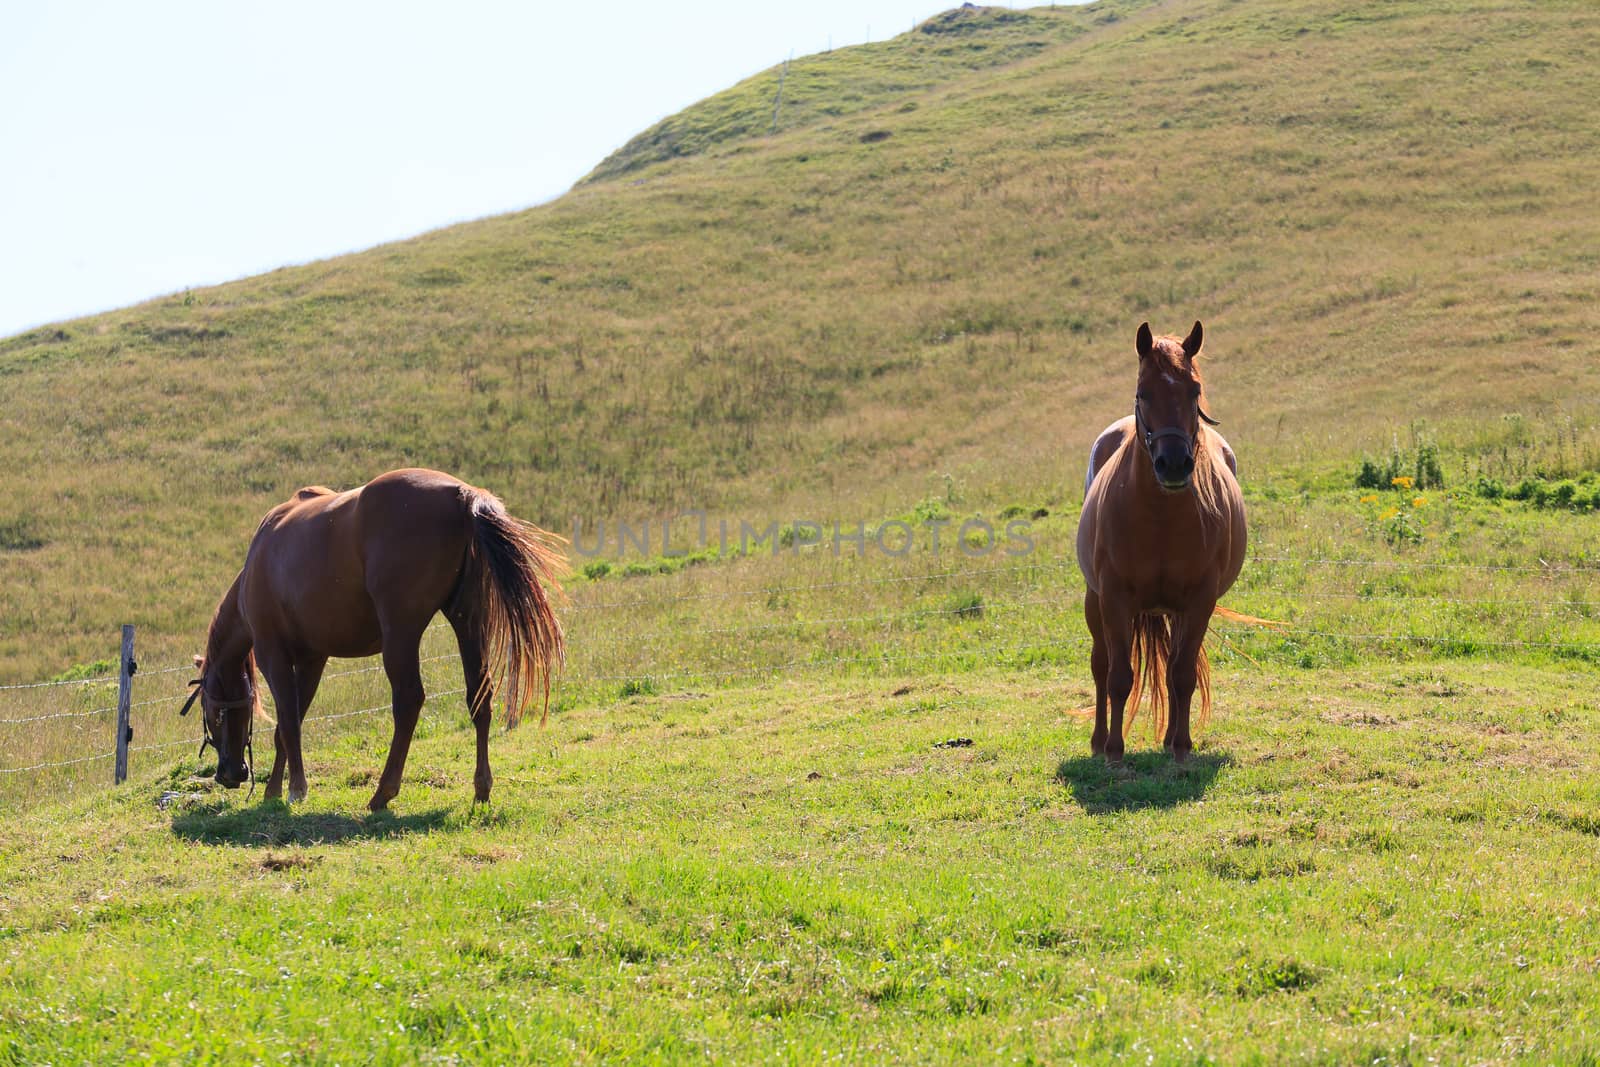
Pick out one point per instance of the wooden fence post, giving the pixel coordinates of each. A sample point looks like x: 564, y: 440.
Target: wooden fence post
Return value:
x: 125, y: 672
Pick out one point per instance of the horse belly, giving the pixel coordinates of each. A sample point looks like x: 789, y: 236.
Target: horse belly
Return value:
x: 337, y: 617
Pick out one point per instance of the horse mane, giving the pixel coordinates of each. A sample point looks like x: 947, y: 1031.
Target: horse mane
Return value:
x: 1207, y: 482
x: 217, y: 633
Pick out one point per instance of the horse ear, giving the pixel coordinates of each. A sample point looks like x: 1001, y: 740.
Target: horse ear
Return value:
x: 1145, y: 343
x: 1191, y: 344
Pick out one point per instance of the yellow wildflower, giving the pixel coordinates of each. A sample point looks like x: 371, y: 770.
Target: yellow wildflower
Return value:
x: 1370, y: 498
x: 1403, y: 481
x: 1387, y: 515
x: 1419, y: 502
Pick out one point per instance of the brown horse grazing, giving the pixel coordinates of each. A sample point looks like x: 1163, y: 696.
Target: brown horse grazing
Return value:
x: 1160, y: 539
x: 362, y: 572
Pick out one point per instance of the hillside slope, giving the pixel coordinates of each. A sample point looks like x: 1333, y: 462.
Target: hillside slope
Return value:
x: 1382, y: 213
x: 868, y: 77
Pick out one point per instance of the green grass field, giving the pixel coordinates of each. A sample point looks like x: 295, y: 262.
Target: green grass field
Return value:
x: 739, y: 836
x: 1389, y: 864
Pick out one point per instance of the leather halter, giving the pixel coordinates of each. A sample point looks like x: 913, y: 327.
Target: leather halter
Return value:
x: 215, y: 701
x: 219, y: 704
x: 1150, y: 437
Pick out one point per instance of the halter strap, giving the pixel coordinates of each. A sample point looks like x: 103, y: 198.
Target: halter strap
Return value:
x: 1152, y: 436
x: 216, y: 702
x: 220, y: 704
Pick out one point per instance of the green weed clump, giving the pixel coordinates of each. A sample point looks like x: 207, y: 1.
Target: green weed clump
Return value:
x: 100, y: 668
x: 965, y: 605
x: 1418, y: 466
x: 21, y: 534
x: 637, y: 687
x: 1565, y: 495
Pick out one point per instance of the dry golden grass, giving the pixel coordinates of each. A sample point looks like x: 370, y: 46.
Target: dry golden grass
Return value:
x: 1382, y: 215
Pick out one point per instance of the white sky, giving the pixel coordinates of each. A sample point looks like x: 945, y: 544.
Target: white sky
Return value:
x: 153, y: 146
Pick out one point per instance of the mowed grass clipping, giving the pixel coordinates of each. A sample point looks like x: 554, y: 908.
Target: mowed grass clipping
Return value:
x: 1382, y: 865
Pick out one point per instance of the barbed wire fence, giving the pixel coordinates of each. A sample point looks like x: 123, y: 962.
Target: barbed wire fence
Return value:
x: 114, y: 721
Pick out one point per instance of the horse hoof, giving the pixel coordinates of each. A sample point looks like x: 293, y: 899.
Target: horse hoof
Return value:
x: 296, y: 795
x: 1113, y: 757
x: 274, y: 792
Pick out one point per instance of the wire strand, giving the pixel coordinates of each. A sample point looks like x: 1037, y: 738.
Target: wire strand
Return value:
x: 103, y: 679
x: 56, y: 715
x: 63, y: 763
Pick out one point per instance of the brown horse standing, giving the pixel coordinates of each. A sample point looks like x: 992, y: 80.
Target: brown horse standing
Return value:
x: 1160, y: 539
x: 362, y: 572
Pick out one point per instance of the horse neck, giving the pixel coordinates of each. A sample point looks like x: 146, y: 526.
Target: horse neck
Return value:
x: 228, y: 641
x: 1142, y: 472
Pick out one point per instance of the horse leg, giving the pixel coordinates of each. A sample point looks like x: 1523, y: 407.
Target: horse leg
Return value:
x: 280, y: 674
x: 480, y: 698
x: 307, y: 676
x: 1181, y: 679
x: 1116, y: 621
x: 1098, y: 666
x: 1174, y: 686
x: 400, y: 663
x: 275, y: 779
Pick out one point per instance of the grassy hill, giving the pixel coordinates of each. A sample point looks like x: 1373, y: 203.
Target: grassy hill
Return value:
x: 1383, y: 215
x: 905, y: 292
x: 861, y: 79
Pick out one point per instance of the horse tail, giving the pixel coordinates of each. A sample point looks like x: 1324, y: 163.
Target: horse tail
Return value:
x: 1249, y: 620
x: 1152, y: 646
x: 1152, y: 650
x: 510, y: 564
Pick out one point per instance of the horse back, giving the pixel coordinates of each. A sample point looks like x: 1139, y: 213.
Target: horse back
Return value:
x: 1105, y: 446
x: 331, y: 571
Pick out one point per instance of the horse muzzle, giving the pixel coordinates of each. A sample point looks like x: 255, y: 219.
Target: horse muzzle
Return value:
x: 1173, y: 468
x: 231, y: 775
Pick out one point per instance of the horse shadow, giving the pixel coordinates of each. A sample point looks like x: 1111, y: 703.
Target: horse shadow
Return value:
x: 1143, y: 780
x: 274, y: 824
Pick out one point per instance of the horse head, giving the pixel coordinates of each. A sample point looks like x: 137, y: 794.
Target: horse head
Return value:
x: 1167, y: 409
x: 228, y: 705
